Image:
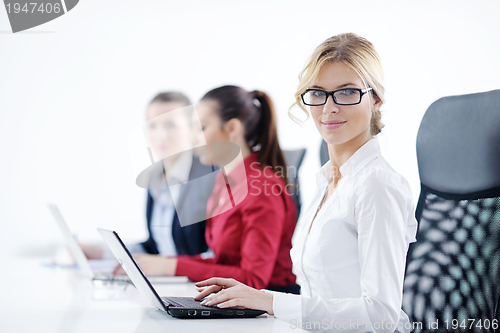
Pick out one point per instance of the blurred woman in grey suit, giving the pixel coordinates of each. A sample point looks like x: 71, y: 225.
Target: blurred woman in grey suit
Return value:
x: 178, y: 184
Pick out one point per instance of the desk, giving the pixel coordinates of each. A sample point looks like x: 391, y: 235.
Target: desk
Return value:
x: 38, y: 299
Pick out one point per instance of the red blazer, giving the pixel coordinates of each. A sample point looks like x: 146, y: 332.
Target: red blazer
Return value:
x: 250, y: 229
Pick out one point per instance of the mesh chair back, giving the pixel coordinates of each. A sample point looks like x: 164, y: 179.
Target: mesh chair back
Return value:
x: 453, y: 270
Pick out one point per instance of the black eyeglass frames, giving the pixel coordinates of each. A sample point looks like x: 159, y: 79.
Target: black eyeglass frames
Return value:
x: 346, y: 96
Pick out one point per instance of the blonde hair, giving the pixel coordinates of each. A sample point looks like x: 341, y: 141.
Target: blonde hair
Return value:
x: 358, y: 54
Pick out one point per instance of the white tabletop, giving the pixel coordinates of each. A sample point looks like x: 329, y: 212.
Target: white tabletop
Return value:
x: 37, y: 298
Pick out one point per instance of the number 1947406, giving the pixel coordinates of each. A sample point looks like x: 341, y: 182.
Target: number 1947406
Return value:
x: 33, y: 7
x: 471, y: 324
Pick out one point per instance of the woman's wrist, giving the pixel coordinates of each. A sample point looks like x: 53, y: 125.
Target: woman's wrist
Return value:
x: 268, y: 302
x: 170, y: 267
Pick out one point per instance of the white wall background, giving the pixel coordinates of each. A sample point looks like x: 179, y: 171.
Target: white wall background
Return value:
x: 74, y: 89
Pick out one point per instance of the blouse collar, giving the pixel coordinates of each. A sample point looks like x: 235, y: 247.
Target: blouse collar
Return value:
x: 179, y: 173
x: 365, y: 154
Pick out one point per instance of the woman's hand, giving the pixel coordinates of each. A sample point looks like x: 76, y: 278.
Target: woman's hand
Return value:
x: 229, y: 292
x: 152, y: 265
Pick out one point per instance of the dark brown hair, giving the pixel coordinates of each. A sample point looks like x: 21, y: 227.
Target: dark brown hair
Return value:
x: 255, y: 110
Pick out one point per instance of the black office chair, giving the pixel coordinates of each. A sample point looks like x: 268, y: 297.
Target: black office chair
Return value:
x: 323, y: 153
x: 453, y: 270
x: 294, y: 160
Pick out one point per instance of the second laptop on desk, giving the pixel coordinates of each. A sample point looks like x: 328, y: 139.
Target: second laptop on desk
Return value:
x: 104, y: 273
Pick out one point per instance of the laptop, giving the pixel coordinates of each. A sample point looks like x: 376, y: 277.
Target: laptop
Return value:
x: 103, y: 273
x: 181, y: 307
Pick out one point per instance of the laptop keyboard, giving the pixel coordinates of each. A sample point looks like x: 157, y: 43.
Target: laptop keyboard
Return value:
x: 186, y: 302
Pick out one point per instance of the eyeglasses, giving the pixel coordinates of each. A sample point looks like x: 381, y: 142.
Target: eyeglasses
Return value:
x: 347, y: 96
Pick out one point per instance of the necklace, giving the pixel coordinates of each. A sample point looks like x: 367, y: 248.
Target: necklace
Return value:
x: 319, y: 207
x: 326, y: 193
x: 324, y: 199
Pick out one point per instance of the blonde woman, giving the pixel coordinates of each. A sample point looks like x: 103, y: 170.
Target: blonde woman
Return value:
x: 351, y: 243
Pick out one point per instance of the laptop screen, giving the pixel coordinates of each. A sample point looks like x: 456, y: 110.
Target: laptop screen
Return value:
x: 75, y: 249
x: 133, y: 270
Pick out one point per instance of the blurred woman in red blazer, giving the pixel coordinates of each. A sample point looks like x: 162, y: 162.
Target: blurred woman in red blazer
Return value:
x: 251, y: 214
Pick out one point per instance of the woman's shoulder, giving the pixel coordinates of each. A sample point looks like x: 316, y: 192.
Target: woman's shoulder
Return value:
x: 378, y: 175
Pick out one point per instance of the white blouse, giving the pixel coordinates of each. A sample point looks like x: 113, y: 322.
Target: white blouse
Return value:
x: 351, y: 264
